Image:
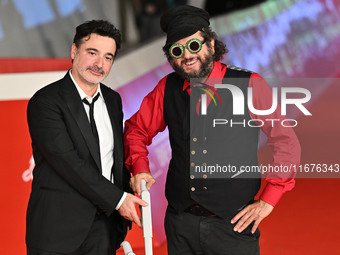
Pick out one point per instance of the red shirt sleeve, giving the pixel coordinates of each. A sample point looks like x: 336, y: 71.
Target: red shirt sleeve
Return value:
x: 142, y: 127
x: 285, y: 144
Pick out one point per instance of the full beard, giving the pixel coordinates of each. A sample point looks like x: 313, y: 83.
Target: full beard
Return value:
x: 203, y: 72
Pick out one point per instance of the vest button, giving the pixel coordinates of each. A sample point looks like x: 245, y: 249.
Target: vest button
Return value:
x: 205, y: 188
x: 194, y: 139
x: 205, y: 176
x: 193, y: 189
x: 205, y: 151
x: 192, y: 164
x: 204, y: 164
x: 193, y: 152
x: 192, y: 177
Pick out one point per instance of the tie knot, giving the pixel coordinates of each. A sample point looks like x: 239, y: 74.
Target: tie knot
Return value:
x: 93, y: 100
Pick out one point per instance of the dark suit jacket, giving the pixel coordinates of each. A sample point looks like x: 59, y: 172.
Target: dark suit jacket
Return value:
x: 68, y: 187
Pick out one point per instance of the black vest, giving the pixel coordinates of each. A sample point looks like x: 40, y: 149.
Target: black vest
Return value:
x: 196, y: 145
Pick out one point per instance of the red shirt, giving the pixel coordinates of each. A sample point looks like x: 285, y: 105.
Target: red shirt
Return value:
x: 148, y: 121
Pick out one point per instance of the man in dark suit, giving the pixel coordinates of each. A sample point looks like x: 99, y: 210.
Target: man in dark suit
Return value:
x: 80, y: 201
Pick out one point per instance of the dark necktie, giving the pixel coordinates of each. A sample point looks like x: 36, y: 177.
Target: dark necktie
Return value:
x: 92, y: 122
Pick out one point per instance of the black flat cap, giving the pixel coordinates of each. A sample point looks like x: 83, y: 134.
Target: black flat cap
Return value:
x: 183, y: 21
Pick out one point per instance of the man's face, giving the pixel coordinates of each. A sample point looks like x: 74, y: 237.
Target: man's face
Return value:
x: 93, y: 60
x: 192, y: 65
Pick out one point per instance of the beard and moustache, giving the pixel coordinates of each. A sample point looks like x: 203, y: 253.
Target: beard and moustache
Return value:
x: 203, y: 72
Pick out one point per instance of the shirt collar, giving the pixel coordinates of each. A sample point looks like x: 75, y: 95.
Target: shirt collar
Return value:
x: 82, y: 93
x: 217, y: 72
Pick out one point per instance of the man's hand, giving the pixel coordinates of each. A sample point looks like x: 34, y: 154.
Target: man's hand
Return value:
x: 128, y: 208
x: 254, y: 212
x: 135, y: 181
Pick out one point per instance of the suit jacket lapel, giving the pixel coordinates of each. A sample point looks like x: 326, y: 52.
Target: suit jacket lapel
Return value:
x: 70, y: 94
x: 115, y: 112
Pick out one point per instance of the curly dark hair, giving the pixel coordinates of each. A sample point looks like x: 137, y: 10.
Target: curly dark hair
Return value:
x: 99, y: 27
x: 208, y: 34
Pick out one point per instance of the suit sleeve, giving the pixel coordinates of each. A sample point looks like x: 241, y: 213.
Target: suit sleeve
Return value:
x: 281, y: 138
x: 53, y: 145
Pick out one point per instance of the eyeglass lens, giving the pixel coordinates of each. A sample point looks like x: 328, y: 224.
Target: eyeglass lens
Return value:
x: 194, y: 46
x: 177, y: 51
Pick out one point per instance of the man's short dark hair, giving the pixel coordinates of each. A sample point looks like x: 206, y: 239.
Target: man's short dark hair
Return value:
x: 208, y: 34
x: 99, y: 27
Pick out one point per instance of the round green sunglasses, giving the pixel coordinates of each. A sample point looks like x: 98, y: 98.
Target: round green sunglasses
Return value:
x: 193, y: 46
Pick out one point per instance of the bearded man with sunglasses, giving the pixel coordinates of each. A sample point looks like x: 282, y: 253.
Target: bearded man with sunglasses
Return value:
x: 207, y: 215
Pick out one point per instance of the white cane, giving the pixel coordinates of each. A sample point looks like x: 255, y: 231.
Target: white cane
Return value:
x: 127, y: 248
x: 147, y: 224
x: 146, y: 219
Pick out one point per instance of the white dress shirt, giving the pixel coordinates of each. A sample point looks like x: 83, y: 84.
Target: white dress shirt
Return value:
x: 105, y: 132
